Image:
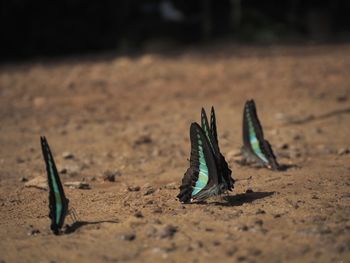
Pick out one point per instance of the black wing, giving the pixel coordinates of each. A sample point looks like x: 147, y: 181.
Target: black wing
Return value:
x: 253, y: 137
x: 58, y: 203
x: 213, y: 128
x: 207, y: 130
x: 202, y: 176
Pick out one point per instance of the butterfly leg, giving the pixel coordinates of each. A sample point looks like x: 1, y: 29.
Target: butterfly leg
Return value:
x: 73, y: 215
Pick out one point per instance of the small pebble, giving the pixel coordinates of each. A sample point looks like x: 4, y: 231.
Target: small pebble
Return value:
x: 171, y: 186
x: 128, y: 237
x: 144, y: 139
x: 259, y: 222
x: 168, y: 231
x: 260, y: 211
x: 77, y: 185
x: 67, y: 155
x: 342, y: 98
x: 110, y: 176
x: 343, y: 151
x: 33, y: 232
x: 135, y: 188
x: 157, y: 210
x: 149, y: 190
x: 20, y: 160
x: 138, y: 214
x: 24, y: 179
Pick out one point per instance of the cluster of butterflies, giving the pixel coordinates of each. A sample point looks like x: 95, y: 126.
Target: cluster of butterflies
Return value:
x: 208, y: 174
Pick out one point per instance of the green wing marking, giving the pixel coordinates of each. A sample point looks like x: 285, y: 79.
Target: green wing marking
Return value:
x: 203, y: 176
x: 205, y: 126
x: 56, y: 191
x: 254, y: 142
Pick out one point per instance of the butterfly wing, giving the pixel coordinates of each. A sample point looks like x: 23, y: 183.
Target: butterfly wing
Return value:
x: 253, y: 137
x: 208, y: 132
x: 58, y: 203
x: 225, y: 170
x: 213, y: 128
x: 201, y: 178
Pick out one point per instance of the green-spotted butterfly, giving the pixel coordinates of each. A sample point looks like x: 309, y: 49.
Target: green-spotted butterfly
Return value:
x: 255, y: 148
x: 208, y: 174
x: 58, y: 203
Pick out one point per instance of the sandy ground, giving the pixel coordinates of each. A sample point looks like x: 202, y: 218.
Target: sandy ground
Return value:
x: 131, y: 115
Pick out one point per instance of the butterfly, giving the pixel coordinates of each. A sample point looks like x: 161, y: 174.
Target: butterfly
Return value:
x: 58, y: 203
x: 208, y: 174
x: 255, y: 148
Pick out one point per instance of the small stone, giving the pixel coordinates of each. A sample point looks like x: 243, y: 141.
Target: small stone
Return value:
x: 37, y: 182
x: 231, y: 251
x: 260, y: 211
x: 254, y: 251
x: 284, y: 146
x: 171, y: 186
x: 33, y: 232
x: 77, y: 185
x: 149, y: 190
x: 157, y: 221
x: 319, y: 130
x: 241, y: 258
x: 343, y: 151
x: 72, y: 169
x: 138, y: 214
x: 342, y: 98
x: 110, y: 176
x: 243, y: 228
x: 277, y: 216
x: 249, y: 191
x: 24, y: 179
x: 259, y: 222
x: 297, y: 137
x: 144, y: 139
x: 20, y: 160
x: 63, y: 171
x: 216, y: 243
x: 168, y: 231
x: 67, y: 155
x: 157, y: 210
x: 135, y: 188
x: 128, y: 237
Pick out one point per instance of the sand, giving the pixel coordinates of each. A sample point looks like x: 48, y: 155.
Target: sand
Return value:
x: 129, y: 116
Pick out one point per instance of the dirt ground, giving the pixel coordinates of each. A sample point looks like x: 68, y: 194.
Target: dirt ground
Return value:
x: 130, y: 117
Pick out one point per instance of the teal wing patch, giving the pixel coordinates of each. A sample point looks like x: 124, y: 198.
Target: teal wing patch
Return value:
x: 254, y: 142
x: 202, y: 160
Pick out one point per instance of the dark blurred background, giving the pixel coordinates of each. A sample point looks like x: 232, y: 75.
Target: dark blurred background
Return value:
x: 54, y: 28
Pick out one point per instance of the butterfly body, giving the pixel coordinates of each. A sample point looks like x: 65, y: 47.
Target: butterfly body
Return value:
x: 208, y: 174
x: 256, y: 150
x: 58, y: 203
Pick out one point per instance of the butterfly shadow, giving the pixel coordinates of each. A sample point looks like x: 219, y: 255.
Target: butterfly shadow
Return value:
x: 240, y: 199
x: 281, y: 167
x: 285, y: 167
x: 78, y: 224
